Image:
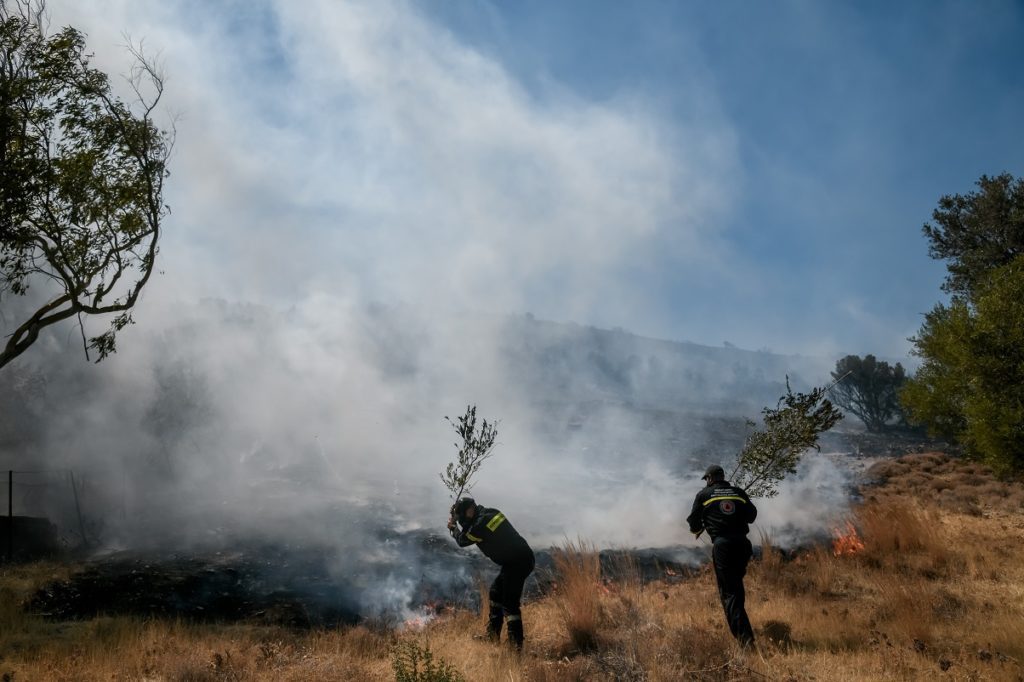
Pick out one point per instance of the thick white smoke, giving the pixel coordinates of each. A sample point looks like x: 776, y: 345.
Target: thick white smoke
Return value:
x: 332, y: 155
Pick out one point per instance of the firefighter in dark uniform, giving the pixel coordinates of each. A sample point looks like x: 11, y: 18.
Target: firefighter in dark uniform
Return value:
x: 489, y: 530
x: 724, y: 511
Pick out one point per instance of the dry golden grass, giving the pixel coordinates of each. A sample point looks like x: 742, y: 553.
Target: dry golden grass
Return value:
x: 936, y: 593
x: 577, y: 594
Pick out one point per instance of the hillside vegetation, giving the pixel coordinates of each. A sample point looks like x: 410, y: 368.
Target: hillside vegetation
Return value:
x: 930, y: 585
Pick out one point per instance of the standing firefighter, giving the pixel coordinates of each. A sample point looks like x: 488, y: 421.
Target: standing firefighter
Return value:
x: 724, y: 511
x: 498, y: 540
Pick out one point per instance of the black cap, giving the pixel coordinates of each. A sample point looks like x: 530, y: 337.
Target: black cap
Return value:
x: 714, y: 473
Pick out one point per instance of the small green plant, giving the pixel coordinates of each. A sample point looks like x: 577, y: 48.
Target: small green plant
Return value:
x: 415, y: 663
x: 477, y: 445
x: 790, y: 429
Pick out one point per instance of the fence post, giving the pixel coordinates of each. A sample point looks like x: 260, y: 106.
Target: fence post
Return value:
x: 10, y: 515
x: 78, y: 509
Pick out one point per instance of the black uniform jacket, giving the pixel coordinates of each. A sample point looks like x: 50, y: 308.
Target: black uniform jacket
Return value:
x: 723, y: 510
x: 494, y: 535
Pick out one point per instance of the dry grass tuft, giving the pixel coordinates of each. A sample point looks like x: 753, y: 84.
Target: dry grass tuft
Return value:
x: 771, y: 566
x: 895, y: 525
x: 578, y: 576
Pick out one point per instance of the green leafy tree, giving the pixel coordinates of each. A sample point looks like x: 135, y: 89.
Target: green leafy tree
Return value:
x: 869, y: 389
x: 81, y: 181
x: 970, y: 386
x: 978, y: 232
x: 790, y: 429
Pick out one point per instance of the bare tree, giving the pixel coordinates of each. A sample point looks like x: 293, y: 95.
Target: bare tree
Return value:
x: 81, y: 180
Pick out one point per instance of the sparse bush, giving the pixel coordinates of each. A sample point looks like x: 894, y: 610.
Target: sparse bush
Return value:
x: 779, y: 633
x: 885, y: 470
x: 924, y: 460
x: 947, y: 606
x: 993, y: 490
x: 917, y: 482
x: 959, y: 501
x: 414, y: 663
x: 969, y: 478
x: 976, y: 468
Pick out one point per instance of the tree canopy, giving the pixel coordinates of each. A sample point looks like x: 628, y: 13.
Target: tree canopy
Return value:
x: 978, y: 232
x: 970, y: 386
x: 868, y: 389
x: 81, y: 181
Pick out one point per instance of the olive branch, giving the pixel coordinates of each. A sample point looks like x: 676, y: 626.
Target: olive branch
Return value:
x: 790, y: 429
x: 477, y: 445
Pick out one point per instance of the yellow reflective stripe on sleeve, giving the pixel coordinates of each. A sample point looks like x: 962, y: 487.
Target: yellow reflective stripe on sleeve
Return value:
x: 473, y: 537
x: 718, y: 499
x: 495, y: 522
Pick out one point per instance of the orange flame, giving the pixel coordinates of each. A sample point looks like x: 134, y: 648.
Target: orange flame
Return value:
x: 417, y: 622
x: 846, y: 542
x: 426, y: 614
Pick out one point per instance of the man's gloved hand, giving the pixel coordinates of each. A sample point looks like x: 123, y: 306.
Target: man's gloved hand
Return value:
x: 451, y: 523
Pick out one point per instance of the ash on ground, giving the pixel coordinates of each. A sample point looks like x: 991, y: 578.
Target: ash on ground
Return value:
x: 301, y: 587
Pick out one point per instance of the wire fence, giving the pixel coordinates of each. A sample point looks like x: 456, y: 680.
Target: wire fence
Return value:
x: 34, y: 499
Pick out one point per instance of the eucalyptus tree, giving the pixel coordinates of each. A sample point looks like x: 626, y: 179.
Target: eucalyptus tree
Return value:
x: 82, y: 176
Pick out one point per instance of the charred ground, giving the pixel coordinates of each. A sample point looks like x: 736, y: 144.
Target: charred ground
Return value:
x: 301, y: 587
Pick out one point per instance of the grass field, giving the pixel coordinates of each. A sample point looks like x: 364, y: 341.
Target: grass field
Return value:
x: 930, y: 587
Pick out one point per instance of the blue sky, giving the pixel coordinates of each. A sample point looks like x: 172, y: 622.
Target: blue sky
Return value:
x: 750, y: 172
x: 851, y: 120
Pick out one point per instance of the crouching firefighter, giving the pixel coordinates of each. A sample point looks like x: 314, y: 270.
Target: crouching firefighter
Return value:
x: 724, y: 511
x: 489, y: 530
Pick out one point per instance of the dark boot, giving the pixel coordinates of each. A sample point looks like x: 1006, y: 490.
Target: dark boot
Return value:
x: 494, y: 620
x: 515, y: 632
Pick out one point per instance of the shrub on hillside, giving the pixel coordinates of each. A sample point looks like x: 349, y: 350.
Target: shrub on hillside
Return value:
x: 415, y: 663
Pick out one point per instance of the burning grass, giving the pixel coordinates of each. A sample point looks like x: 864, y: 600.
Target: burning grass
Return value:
x: 920, y: 590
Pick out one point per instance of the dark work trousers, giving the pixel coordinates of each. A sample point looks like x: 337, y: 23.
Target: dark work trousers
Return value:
x: 505, y: 595
x: 730, y: 556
